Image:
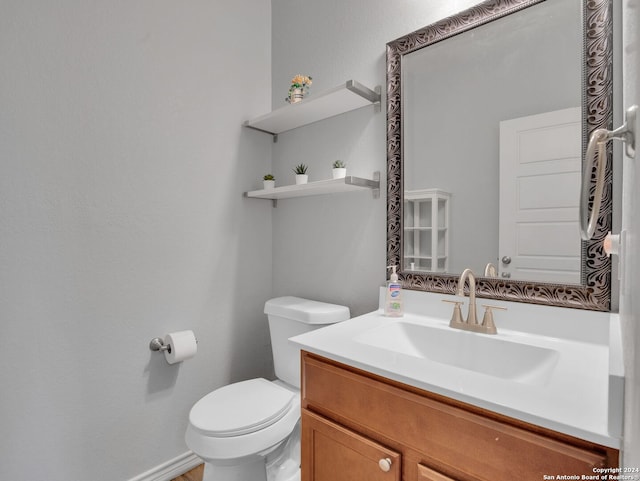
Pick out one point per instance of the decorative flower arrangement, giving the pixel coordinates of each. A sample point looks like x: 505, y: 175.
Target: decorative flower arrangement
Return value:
x: 299, y: 88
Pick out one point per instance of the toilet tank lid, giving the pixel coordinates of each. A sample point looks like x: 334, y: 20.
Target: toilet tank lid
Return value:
x: 305, y: 310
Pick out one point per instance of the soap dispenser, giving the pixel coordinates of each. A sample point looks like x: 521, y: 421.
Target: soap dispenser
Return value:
x: 393, y: 302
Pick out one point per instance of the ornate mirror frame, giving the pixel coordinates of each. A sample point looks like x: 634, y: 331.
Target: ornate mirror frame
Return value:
x: 594, y: 292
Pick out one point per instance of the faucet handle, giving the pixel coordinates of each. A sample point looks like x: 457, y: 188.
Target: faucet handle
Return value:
x: 456, y: 317
x: 488, y: 326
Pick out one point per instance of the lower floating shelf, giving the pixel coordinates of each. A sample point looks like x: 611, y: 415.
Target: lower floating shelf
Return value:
x: 321, y: 187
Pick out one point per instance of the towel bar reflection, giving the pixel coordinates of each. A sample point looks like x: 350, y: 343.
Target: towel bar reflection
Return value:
x: 596, y: 153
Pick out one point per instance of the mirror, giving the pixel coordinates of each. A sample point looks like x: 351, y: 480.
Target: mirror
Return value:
x: 487, y: 112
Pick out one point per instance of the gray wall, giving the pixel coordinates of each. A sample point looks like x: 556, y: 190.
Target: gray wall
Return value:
x: 122, y: 163
x: 334, y: 248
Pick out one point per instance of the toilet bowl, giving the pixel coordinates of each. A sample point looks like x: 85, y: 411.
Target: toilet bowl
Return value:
x: 250, y: 430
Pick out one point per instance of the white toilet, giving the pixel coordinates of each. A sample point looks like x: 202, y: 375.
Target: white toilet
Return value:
x: 249, y: 430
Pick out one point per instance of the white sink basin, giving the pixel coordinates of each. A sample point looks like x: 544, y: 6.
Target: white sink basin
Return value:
x: 554, y: 367
x: 481, y: 353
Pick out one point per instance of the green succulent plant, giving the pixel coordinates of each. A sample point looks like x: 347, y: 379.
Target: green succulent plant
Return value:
x: 269, y: 177
x: 338, y: 164
x: 300, y: 169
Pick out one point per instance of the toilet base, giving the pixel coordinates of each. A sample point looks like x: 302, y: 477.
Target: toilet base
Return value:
x: 254, y: 471
x: 284, y: 463
x: 239, y: 473
x: 281, y: 464
x: 289, y: 471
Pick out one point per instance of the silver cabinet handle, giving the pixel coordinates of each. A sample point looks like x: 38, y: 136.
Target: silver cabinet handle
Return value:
x: 506, y: 260
x: 385, y: 464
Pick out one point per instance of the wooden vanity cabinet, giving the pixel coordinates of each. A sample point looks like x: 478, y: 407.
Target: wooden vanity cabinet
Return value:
x: 352, y: 419
x: 334, y: 453
x: 428, y: 474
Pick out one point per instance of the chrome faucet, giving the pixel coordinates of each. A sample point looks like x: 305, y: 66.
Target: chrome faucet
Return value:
x: 471, y: 313
x: 471, y: 323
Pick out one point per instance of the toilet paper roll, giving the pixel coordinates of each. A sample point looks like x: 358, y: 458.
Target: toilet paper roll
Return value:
x: 182, y: 345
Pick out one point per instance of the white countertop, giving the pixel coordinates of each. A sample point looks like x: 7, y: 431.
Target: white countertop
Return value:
x: 580, y: 396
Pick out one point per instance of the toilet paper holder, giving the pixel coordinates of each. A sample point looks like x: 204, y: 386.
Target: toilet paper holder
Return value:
x: 176, y: 346
x: 157, y: 344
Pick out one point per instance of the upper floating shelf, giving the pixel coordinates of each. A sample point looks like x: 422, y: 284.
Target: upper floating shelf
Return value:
x: 318, y: 106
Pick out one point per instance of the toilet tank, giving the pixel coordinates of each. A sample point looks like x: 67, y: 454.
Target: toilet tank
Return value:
x: 290, y: 316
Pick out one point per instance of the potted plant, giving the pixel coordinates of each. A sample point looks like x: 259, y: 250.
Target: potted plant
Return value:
x: 339, y: 169
x: 269, y: 181
x: 299, y: 88
x: 301, y: 174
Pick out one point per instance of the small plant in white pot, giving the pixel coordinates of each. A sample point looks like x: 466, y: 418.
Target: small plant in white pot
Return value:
x: 339, y: 169
x: 269, y: 181
x: 301, y: 174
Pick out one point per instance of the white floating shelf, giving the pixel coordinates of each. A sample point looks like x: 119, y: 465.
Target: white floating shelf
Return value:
x: 318, y: 106
x: 321, y: 187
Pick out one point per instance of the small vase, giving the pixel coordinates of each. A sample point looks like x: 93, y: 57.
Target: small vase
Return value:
x: 296, y: 95
x: 339, y: 173
x: 302, y: 179
x: 269, y: 184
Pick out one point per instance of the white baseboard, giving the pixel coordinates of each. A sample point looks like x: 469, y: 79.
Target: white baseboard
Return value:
x: 171, y: 469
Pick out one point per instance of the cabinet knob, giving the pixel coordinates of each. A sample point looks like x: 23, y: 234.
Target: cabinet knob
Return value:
x: 385, y: 464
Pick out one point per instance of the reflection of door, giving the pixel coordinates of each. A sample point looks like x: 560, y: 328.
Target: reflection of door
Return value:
x: 539, y: 191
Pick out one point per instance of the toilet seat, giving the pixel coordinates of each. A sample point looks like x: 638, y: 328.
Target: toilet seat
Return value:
x: 240, y: 408
x: 210, y: 434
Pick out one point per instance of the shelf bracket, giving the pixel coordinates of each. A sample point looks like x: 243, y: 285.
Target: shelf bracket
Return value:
x: 274, y: 136
x: 373, y: 96
x: 377, y: 106
x: 374, y: 184
x: 375, y: 192
x: 274, y: 202
x: 357, y: 88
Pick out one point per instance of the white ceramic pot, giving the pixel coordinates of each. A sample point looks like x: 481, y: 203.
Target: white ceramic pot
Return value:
x: 339, y: 173
x: 296, y: 96
x: 269, y: 184
x: 302, y: 179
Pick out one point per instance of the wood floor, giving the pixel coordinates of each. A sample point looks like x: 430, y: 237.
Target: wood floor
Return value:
x: 194, y: 475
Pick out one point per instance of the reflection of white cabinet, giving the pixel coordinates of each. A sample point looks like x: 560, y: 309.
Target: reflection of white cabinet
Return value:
x: 426, y: 230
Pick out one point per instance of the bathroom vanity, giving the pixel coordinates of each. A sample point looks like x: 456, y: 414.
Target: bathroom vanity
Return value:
x: 356, y: 425
x: 381, y: 402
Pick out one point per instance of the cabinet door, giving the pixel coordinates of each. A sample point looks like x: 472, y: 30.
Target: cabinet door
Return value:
x: 333, y: 453
x: 428, y: 474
